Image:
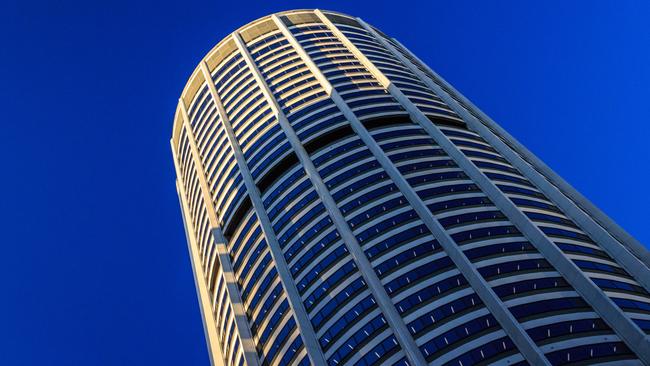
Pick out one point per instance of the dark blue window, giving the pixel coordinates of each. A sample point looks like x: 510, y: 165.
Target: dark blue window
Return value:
x: 435, y: 346
x: 501, y: 347
x: 383, y: 350
x: 459, y: 202
x: 325, y: 288
x: 413, y: 276
x: 279, y: 341
x: 526, y: 310
x: 481, y: 233
x: 503, y: 269
x: 321, y: 267
x: 395, y: 241
x: 399, y: 260
x: 568, y: 328
x: 347, y: 320
x: 609, y: 350
x: 472, y: 217
x: 358, y: 339
x: 499, y: 249
x: 439, y: 315
x: 339, y: 300
x: 443, y: 190
x: 533, y: 285
x: 314, y: 251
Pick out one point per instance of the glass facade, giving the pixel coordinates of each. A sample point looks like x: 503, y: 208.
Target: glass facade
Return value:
x: 342, y: 208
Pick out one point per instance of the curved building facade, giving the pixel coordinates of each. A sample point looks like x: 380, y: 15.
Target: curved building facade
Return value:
x: 344, y: 205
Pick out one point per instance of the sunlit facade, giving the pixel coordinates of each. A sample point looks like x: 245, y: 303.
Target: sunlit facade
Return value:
x: 344, y: 205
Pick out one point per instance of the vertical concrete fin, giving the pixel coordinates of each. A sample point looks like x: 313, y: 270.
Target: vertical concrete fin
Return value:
x: 232, y: 290
x: 209, y: 323
x: 302, y: 320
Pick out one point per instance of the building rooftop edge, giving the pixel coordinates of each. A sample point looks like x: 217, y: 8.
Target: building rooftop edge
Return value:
x: 196, y: 73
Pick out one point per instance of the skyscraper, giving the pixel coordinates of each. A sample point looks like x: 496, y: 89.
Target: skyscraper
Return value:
x: 344, y: 205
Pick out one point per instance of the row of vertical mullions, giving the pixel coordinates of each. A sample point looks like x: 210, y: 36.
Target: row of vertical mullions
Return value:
x: 205, y: 135
x: 205, y: 132
x: 200, y: 127
x: 303, y: 324
x: 590, y: 219
x: 242, y: 254
x: 398, y: 74
x: 207, y: 314
x: 206, y: 308
x: 214, y: 162
x: 285, y: 87
x: 351, y: 117
x: 543, y: 177
x: 492, y: 302
x: 277, y: 109
x: 587, y: 214
x: 239, y: 315
x: 620, y: 322
x: 327, y: 200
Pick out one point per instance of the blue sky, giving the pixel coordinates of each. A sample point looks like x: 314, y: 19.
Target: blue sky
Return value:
x: 95, y: 267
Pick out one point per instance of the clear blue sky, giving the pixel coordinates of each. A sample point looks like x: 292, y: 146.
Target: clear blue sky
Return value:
x: 95, y: 269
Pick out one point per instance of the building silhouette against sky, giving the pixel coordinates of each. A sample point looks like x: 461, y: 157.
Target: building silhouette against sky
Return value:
x: 344, y: 205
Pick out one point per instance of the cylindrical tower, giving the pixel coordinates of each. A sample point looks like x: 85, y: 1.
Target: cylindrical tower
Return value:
x: 344, y: 205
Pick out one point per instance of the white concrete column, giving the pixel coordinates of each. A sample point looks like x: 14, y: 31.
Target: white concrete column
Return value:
x: 241, y: 320
x: 302, y: 320
x: 633, y: 336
